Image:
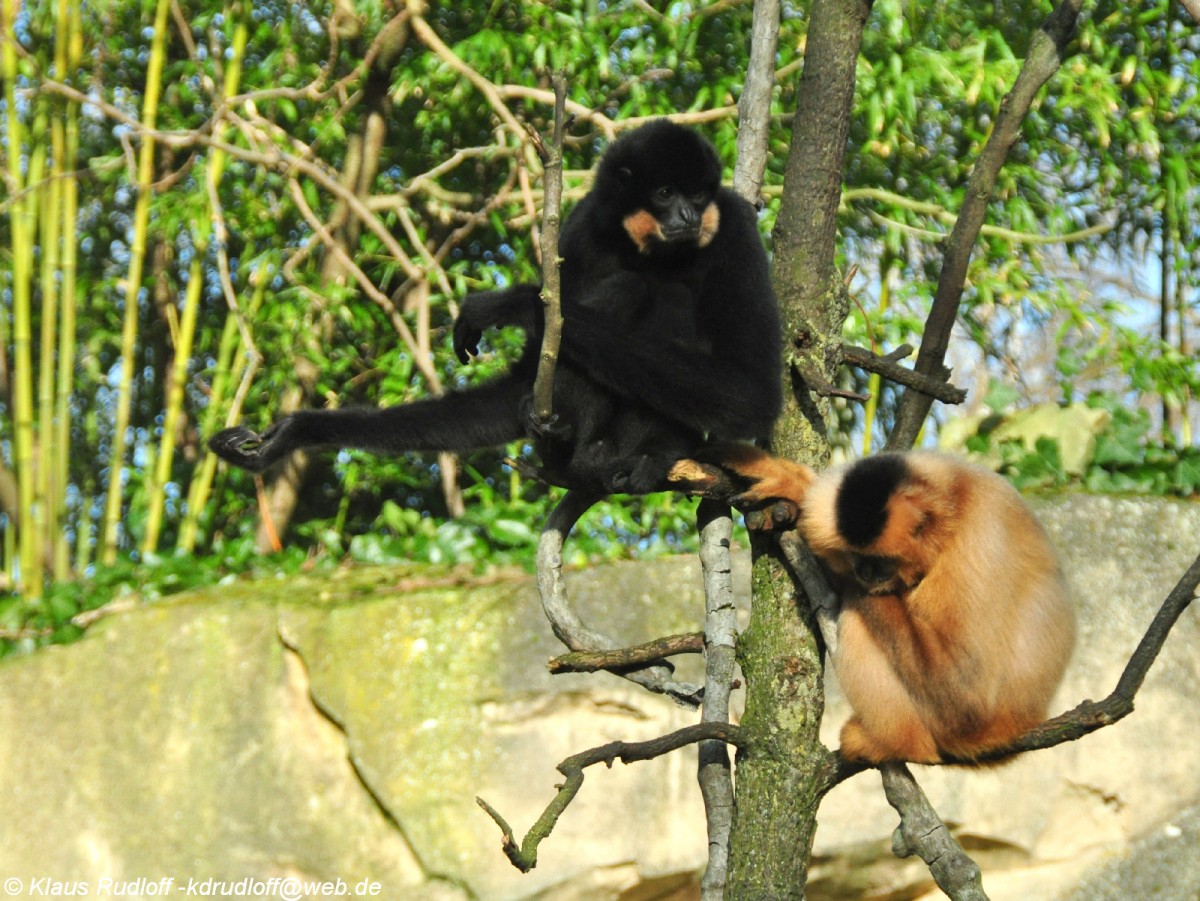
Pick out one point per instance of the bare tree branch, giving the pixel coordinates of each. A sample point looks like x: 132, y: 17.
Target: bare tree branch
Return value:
x: 821, y: 597
x: 566, y: 623
x: 936, y: 387
x: 922, y: 832
x: 524, y: 855
x: 552, y: 167
x: 619, y: 659
x: 1044, y: 57
x: 754, y: 106
x: 720, y: 646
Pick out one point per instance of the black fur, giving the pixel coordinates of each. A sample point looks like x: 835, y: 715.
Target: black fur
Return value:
x: 863, y: 495
x: 662, y: 349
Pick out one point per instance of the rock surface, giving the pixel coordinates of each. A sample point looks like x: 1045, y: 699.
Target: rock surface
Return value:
x: 339, y: 728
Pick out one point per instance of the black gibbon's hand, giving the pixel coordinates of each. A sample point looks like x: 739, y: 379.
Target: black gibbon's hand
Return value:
x: 519, y: 305
x: 249, y: 450
x: 466, y: 340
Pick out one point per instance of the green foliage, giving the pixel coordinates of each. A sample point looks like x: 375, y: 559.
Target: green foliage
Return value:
x: 1104, y: 176
x: 1125, y: 460
x: 68, y: 607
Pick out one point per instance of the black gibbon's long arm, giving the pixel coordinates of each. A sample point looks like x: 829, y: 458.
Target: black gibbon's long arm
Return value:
x: 485, y: 417
x: 670, y: 340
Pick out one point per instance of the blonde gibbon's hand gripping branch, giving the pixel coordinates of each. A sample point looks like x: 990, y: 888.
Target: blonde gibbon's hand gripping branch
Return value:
x: 955, y: 624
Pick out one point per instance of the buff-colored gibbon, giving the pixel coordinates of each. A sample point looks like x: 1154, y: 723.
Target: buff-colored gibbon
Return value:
x: 955, y: 625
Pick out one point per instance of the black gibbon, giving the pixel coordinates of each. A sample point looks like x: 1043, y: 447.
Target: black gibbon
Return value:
x: 954, y: 626
x: 670, y: 339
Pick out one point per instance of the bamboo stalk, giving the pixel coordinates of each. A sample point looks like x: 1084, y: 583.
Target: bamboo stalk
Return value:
x: 187, y: 327
x: 133, y: 284
x: 227, y: 372
x: 48, y: 490
x: 21, y: 231
x: 70, y: 35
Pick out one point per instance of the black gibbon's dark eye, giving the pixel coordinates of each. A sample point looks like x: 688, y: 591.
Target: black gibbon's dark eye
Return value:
x: 698, y: 197
x: 665, y: 194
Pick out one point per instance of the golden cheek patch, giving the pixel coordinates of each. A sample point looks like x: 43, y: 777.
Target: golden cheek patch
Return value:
x: 642, y: 229
x: 710, y: 221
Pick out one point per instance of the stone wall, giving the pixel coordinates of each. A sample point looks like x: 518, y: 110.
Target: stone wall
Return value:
x: 339, y: 728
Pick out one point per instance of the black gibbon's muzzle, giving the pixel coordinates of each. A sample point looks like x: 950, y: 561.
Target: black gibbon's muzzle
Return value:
x: 684, y: 234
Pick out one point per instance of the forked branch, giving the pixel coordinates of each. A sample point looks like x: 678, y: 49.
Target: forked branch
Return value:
x: 567, y: 625
x: 524, y: 855
x: 922, y: 832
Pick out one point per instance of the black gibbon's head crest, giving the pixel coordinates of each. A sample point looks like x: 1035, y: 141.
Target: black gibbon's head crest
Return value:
x: 863, y: 496
x: 660, y: 180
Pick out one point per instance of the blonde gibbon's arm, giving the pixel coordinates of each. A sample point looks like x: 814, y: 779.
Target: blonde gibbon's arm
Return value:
x: 955, y: 625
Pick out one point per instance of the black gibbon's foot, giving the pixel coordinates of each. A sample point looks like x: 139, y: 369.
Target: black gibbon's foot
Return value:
x: 642, y: 474
x: 554, y: 428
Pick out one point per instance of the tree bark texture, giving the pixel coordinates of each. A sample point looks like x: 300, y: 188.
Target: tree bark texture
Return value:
x: 782, y: 768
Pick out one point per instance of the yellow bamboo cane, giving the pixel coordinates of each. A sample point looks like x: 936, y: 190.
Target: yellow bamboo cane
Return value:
x: 68, y: 53
x: 228, y: 373
x: 133, y: 284
x: 187, y: 325
x: 21, y: 231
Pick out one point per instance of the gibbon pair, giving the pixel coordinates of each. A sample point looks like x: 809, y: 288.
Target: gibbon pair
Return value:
x: 955, y: 624
x: 954, y: 628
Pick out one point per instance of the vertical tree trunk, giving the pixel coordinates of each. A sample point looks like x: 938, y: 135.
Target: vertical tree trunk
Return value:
x: 782, y: 774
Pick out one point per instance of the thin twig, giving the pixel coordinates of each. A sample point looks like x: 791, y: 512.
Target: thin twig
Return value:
x: 524, y: 855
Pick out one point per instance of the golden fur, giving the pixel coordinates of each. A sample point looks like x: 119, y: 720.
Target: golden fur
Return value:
x: 955, y: 625
x: 644, y: 229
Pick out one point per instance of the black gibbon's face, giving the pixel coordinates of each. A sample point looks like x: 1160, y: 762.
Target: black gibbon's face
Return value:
x: 660, y: 181
x: 674, y: 218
